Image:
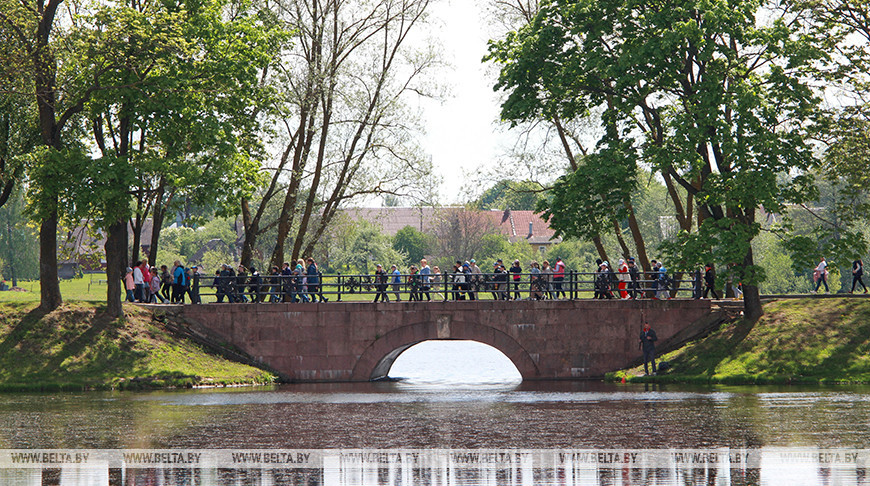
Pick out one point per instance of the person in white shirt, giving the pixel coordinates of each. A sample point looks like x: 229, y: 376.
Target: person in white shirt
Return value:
x: 139, y: 282
x: 821, y: 275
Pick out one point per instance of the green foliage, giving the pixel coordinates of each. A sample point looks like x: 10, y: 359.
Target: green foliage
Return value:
x: 509, y: 194
x: 19, y: 248
x: 213, y: 259
x: 709, y: 86
x: 362, y: 247
x: 780, y: 275
x: 414, y: 244
x: 578, y: 256
x: 583, y: 204
x: 187, y: 241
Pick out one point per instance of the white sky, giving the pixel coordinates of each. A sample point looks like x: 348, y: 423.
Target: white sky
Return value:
x: 462, y: 135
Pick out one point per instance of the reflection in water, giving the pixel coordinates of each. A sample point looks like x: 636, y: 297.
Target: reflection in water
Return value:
x: 468, y: 406
x: 484, y: 468
x: 453, y: 362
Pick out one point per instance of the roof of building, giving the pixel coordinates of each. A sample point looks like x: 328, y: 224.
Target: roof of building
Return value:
x: 513, y: 224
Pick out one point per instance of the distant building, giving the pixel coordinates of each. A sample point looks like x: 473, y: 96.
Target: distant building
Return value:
x: 514, y: 225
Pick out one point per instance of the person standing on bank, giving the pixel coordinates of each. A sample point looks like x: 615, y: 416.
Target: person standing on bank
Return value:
x: 648, y: 345
x: 857, y: 273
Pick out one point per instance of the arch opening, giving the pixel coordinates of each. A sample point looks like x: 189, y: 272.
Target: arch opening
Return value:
x: 447, y: 361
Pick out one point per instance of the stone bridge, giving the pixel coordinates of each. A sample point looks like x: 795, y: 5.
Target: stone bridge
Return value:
x: 562, y: 339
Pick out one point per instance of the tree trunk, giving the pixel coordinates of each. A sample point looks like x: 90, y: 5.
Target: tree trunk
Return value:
x: 116, y: 262
x: 49, y: 286
x: 11, y: 262
x: 600, y: 247
x: 624, y: 247
x: 157, y: 223
x: 136, y: 225
x: 752, y: 310
x: 639, y: 243
x: 158, y: 215
x: 250, y: 226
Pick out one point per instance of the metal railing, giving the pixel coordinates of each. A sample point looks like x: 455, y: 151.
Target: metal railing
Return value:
x: 435, y: 287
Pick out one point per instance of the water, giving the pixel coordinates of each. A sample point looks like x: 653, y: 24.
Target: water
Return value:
x: 473, y: 404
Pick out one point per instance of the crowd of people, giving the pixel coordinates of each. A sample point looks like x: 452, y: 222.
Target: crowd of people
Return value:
x: 291, y: 283
x: 466, y: 280
x: 301, y: 281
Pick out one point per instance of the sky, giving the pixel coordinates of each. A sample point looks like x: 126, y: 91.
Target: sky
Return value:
x: 462, y: 134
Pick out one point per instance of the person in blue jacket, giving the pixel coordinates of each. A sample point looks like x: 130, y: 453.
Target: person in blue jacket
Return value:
x: 314, y: 287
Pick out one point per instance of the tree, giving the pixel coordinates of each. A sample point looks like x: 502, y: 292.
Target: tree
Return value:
x: 180, y: 113
x: 362, y: 246
x: 19, y: 257
x: 347, y: 131
x: 508, y: 194
x: 570, y: 137
x: 696, y: 90
x: 412, y: 243
x: 32, y: 24
x: 461, y: 234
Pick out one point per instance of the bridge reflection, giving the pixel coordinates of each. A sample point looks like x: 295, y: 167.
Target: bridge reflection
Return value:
x: 490, y: 467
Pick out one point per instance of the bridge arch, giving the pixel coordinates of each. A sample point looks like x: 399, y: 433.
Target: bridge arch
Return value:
x: 378, y: 358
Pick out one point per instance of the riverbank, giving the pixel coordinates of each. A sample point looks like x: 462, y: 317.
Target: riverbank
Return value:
x: 77, y: 347
x: 810, y: 341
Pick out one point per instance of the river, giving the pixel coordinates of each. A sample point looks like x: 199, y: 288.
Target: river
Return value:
x: 459, y: 415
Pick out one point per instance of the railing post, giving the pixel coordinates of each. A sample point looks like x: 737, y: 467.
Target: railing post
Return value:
x: 572, y: 286
x: 339, y: 287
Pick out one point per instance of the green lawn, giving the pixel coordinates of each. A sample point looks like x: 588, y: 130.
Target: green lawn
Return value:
x: 796, y: 341
x: 79, y: 347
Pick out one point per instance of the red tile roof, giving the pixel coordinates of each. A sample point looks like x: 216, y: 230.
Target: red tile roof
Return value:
x: 512, y: 224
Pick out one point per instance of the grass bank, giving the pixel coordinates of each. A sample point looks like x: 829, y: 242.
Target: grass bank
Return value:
x: 78, y: 347
x: 796, y: 341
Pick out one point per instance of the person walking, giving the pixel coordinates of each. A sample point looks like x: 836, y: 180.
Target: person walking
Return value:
x: 647, y: 343
x: 458, y: 281
x: 857, y: 273
x: 396, y: 281
x: 623, y: 278
x: 516, y: 270
x: 129, y: 285
x: 165, y: 283
x: 139, y: 281
x: 381, y: 284
x: 254, y: 285
x: 476, y: 279
x: 315, y: 286
x: 602, y: 282
x: 154, y: 286
x: 821, y: 275
x: 179, y: 282
x: 710, y: 281
x: 547, y: 279
x: 414, y: 284
x: 437, y: 279
x: 558, y: 278
x: 634, y: 282
x: 425, y: 274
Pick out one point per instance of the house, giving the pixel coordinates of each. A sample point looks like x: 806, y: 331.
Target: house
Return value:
x: 514, y: 225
